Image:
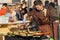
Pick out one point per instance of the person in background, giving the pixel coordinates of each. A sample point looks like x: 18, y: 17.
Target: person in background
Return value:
x: 46, y: 4
x: 19, y: 15
x: 18, y: 12
x: 53, y: 11
x: 11, y: 13
x: 24, y: 8
x: 3, y: 10
x: 54, y: 18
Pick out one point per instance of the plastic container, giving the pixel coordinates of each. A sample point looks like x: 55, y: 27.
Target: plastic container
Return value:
x: 3, y: 20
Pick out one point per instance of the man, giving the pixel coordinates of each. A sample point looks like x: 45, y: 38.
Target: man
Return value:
x: 3, y: 9
x: 42, y: 18
x: 54, y: 17
x: 18, y: 12
x: 53, y: 11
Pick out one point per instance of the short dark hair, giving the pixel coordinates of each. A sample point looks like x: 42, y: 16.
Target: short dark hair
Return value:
x: 5, y: 4
x: 52, y: 4
x: 38, y: 3
x: 24, y: 3
x: 46, y: 2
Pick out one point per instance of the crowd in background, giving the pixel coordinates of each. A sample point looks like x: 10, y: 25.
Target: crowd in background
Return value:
x: 16, y: 11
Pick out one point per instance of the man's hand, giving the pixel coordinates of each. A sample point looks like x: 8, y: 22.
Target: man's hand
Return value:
x: 25, y: 15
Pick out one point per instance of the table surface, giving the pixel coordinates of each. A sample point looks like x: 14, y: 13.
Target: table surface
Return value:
x: 17, y: 22
x: 4, y: 30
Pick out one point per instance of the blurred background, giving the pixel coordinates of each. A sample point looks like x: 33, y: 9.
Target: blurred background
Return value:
x: 30, y: 5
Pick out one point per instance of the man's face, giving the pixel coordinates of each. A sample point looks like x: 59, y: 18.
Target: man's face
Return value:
x: 39, y: 7
x: 18, y: 6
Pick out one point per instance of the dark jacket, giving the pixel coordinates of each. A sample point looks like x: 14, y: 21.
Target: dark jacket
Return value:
x: 39, y: 17
x: 42, y: 21
x: 19, y: 15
